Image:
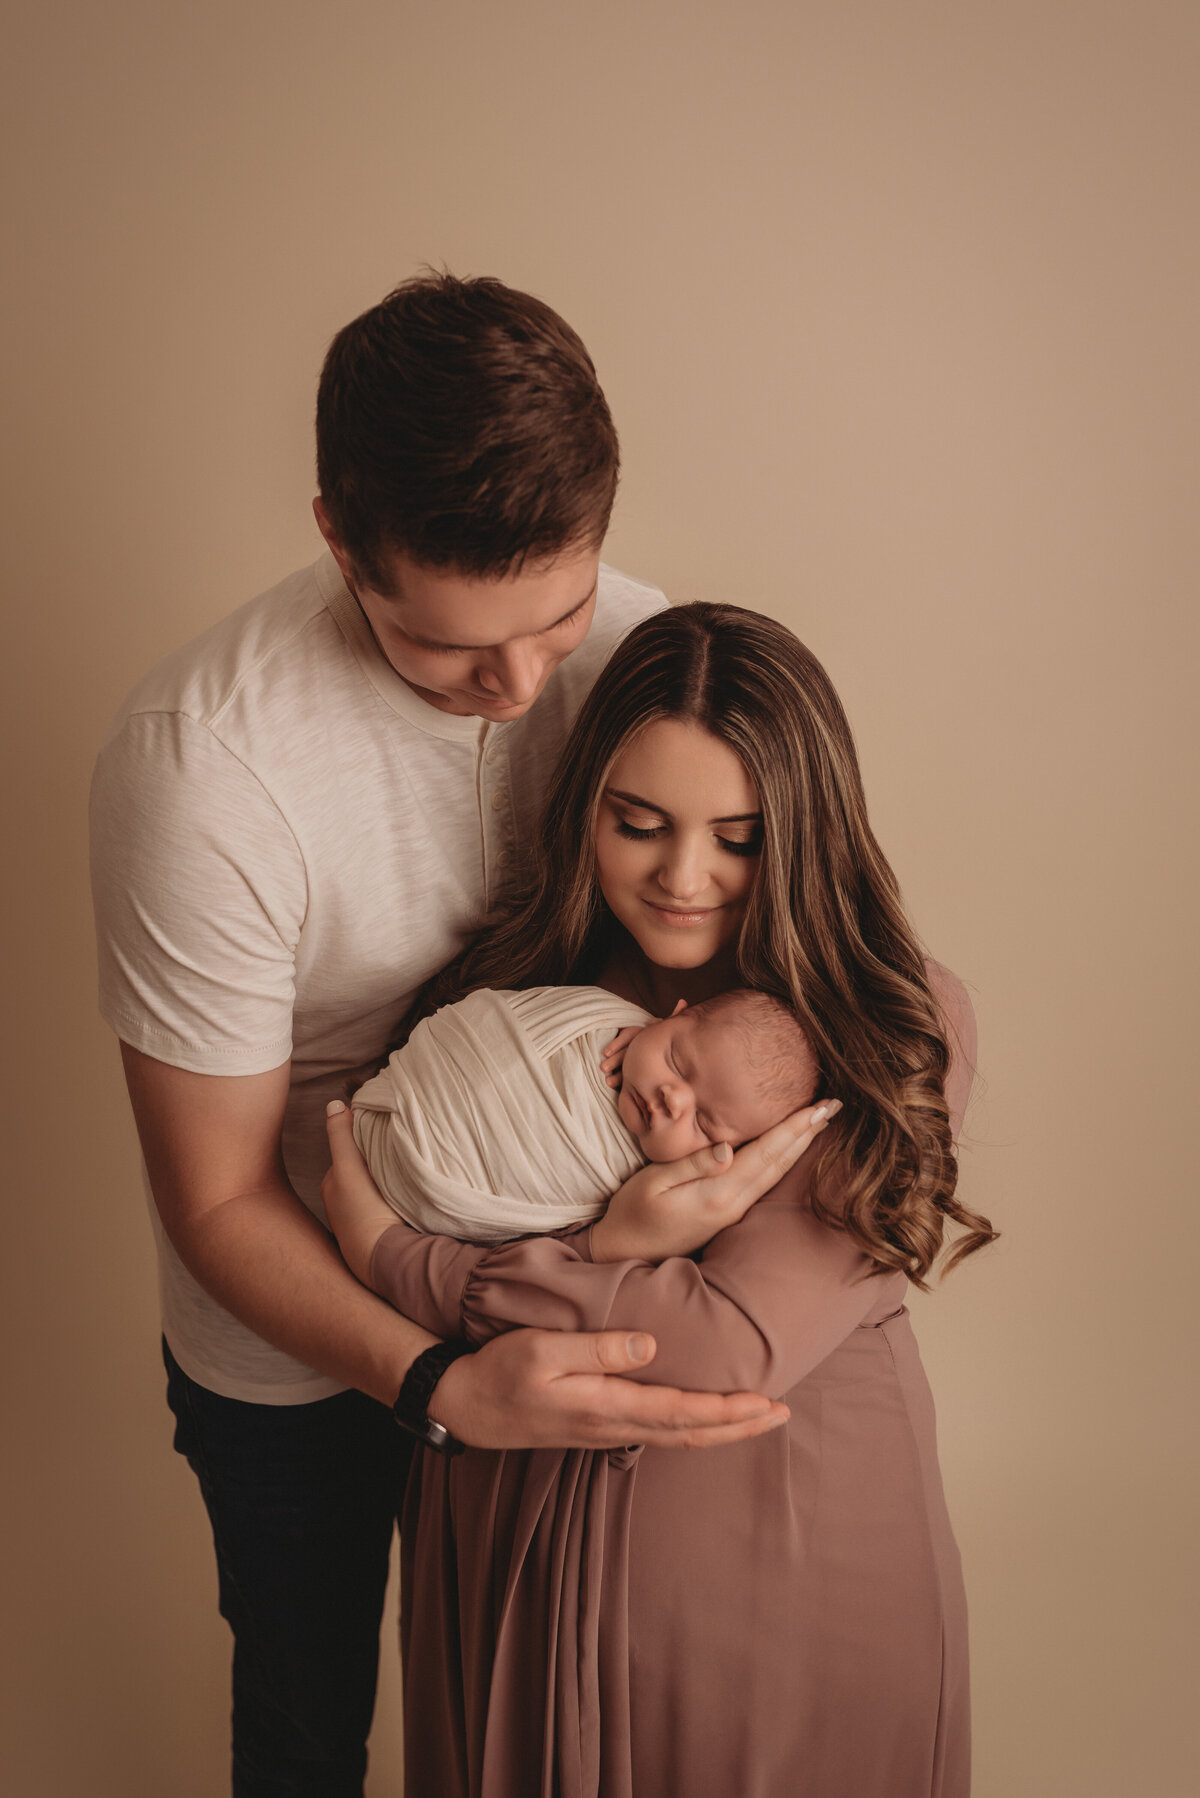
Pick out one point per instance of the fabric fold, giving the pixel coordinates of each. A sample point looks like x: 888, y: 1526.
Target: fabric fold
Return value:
x: 494, y: 1120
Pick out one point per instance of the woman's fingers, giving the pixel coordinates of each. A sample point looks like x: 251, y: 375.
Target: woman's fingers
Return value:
x: 339, y: 1128
x: 718, y: 1189
x: 348, y: 1172
x: 779, y: 1148
x: 775, y: 1151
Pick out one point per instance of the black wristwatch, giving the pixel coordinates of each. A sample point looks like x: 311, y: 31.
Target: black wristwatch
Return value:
x: 410, y: 1409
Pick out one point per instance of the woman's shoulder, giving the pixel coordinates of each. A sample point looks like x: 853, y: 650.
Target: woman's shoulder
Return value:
x: 958, y: 1016
x: 954, y: 1003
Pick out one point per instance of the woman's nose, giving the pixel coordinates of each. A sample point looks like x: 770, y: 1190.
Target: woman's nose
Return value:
x: 682, y: 874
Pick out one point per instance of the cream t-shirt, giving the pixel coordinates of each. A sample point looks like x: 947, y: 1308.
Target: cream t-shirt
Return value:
x: 286, y: 842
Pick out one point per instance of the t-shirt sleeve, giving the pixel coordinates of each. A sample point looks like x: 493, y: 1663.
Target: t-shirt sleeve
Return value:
x: 200, y: 892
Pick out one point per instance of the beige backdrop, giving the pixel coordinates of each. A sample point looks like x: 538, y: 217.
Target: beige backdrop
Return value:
x: 896, y: 307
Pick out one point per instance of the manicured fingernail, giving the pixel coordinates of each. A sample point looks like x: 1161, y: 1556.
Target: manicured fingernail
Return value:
x: 832, y: 1107
x: 722, y: 1151
x: 333, y: 1108
x: 638, y: 1347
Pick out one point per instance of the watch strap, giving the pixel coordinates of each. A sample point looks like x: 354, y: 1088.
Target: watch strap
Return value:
x: 411, y: 1409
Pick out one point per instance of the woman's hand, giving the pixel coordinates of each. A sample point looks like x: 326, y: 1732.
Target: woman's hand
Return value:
x: 675, y: 1207
x: 357, y: 1211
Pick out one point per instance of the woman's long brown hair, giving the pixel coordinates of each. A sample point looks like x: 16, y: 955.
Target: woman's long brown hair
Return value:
x: 824, y: 927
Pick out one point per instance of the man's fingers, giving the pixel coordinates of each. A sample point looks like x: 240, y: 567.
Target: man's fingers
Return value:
x: 658, y: 1410
x: 716, y: 1435
x: 599, y: 1351
x: 661, y: 1413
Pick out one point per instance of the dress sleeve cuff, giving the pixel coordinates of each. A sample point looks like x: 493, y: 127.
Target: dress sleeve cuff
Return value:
x: 424, y: 1277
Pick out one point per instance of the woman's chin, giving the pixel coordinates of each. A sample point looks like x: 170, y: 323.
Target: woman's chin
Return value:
x: 671, y: 952
x: 679, y: 958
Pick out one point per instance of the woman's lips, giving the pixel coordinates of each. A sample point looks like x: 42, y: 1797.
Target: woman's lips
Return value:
x: 677, y: 919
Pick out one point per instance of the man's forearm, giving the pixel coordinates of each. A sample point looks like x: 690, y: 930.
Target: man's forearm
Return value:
x: 272, y: 1266
x: 212, y: 1148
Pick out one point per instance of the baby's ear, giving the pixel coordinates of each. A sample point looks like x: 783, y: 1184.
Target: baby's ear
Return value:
x: 682, y: 1006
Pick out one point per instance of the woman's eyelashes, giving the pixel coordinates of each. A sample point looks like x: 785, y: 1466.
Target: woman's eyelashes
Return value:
x: 748, y: 846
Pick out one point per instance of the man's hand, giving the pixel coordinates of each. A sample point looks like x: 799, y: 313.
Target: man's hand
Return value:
x: 551, y: 1389
x: 675, y: 1207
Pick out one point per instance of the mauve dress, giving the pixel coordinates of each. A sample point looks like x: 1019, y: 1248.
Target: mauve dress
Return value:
x: 782, y: 1618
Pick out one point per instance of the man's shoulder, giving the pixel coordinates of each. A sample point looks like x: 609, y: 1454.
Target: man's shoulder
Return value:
x: 260, y: 640
x: 621, y: 603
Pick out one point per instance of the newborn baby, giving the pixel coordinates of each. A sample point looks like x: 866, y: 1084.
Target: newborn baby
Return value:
x: 496, y: 1120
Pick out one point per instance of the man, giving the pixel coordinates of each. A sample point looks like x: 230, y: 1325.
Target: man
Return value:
x: 296, y: 819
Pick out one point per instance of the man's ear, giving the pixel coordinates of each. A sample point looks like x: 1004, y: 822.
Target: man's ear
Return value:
x: 326, y: 527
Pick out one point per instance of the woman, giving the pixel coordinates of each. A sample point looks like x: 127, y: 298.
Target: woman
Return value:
x: 783, y: 1617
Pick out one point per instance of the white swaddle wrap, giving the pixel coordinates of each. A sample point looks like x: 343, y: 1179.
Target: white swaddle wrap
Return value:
x: 494, y: 1120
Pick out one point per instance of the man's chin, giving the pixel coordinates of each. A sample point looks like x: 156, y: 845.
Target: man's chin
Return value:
x: 471, y: 705
x: 501, y: 714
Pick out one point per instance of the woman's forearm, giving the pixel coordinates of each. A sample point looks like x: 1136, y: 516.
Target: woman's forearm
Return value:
x: 771, y: 1298
x: 424, y: 1276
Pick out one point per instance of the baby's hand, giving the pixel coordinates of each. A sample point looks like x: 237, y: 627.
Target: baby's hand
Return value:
x: 614, y: 1054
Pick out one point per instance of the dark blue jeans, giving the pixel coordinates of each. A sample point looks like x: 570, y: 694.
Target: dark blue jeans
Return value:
x: 302, y: 1500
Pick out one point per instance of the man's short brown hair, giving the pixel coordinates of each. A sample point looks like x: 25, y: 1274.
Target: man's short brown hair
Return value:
x: 462, y: 423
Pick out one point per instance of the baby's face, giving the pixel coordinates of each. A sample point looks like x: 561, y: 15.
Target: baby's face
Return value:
x: 685, y: 1085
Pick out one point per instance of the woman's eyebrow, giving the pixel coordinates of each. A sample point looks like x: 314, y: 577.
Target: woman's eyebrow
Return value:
x: 647, y: 805
x: 652, y: 805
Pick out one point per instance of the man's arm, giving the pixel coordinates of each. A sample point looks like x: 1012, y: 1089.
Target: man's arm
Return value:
x: 212, y: 1149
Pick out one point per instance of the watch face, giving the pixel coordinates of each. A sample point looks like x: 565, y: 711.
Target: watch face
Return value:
x: 434, y: 1435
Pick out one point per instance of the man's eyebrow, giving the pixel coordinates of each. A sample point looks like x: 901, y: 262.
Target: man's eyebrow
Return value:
x: 650, y: 805
x: 435, y: 643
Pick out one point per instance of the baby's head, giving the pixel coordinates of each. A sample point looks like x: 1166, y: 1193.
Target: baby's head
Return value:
x: 723, y: 1071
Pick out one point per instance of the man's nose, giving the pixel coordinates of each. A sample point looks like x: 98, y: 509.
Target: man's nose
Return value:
x: 513, y: 673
